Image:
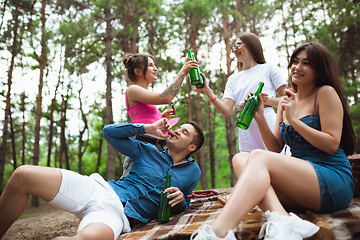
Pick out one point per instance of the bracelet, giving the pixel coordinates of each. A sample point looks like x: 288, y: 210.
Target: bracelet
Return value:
x: 213, y: 99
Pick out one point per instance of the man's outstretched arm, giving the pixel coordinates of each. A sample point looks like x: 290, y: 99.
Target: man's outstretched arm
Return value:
x: 119, y: 135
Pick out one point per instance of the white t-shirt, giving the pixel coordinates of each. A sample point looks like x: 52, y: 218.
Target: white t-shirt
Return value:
x: 240, y: 85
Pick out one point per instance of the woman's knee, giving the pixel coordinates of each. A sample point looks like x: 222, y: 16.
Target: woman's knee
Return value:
x: 258, y: 154
x: 258, y: 157
x: 239, y: 161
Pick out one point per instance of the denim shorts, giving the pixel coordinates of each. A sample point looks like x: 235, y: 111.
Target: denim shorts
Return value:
x: 335, y: 178
x: 92, y: 200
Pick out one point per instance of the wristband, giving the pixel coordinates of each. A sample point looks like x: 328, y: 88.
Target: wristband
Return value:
x: 213, y: 99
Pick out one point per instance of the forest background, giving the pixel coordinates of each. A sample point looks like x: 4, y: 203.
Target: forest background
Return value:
x: 63, y: 79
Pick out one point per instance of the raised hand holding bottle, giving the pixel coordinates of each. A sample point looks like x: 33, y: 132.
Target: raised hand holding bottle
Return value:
x: 247, y: 113
x: 195, y: 74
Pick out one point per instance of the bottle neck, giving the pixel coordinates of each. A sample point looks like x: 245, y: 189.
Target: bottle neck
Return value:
x: 167, y: 181
x: 259, y: 89
x: 189, y: 54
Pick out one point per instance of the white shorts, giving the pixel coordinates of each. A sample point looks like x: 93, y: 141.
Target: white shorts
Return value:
x: 92, y: 200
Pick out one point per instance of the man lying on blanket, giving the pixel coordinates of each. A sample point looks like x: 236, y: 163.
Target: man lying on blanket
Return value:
x: 109, y: 208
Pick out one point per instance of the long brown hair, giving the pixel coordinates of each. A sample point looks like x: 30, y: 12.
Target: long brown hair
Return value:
x: 327, y: 73
x: 133, y: 61
x: 253, y: 43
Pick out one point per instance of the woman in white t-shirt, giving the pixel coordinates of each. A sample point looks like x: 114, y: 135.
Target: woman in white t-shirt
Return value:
x: 249, y: 53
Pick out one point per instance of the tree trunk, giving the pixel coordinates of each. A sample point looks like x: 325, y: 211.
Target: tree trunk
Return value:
x: 231, y: 140
x: 229, y: 120
x: 151, y: 32
x: 239, y: 8
x: 100, y: 151
x: 201, y: 153
x: 293, y: 23
x: 134, y: 42
x: 12, y: 136
x: 125, y: 37
x: 51, y: 118
x: 38, y: 110
x: 130, y: 38
x: 23, y: 97
x: 66, y: 148
x: 63, y: 145
x: 211, y: 129
x: 110, y: 167
x: 81, y: 142
x: 202, y: 158
x: 237, y: 20
x: 62, y: 134
x: 8, y: 95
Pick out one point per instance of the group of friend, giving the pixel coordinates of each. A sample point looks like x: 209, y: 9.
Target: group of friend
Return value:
x: 313, y: 121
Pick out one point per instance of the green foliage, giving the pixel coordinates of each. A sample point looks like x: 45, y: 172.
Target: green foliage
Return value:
x: 335, y: 24
x: 76, y: 32
x: 200, y: 8
x: 222, y: 176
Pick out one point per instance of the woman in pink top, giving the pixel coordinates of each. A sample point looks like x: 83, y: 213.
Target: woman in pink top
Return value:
x: 141, y: 102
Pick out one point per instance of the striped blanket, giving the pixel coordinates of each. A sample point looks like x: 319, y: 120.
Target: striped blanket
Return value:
x: 341, y: 225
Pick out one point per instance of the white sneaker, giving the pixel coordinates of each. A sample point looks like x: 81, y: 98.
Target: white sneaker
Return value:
x: 303, y: 228
x: 279, y: 227
x: 206, y: 233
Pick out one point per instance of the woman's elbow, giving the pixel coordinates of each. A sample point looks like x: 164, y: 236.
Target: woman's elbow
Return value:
x: 331, y: 148
x: 276, y: 148
x: 167, y: 100
x: 225, y: 112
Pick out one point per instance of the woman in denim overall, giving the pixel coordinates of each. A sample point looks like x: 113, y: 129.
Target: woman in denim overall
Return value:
x: 314, y: 121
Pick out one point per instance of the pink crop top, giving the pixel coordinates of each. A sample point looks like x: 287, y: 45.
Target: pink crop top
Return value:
x: 145, y: 113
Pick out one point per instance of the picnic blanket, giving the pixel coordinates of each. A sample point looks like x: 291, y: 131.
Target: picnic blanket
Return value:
x: 340, y: 225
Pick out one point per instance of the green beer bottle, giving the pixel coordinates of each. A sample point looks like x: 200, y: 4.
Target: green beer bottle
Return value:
x: 164, y: 209
x: 195, y: 74
x: 247, y: 113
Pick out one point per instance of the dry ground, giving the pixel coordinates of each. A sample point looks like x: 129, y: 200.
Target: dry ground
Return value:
x: 42, y: 223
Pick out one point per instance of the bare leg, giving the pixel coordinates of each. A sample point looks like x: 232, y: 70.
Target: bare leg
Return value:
x: 262, y: 172
x: 94, y: 231
x: 239, y: 162
x: 40, y: 181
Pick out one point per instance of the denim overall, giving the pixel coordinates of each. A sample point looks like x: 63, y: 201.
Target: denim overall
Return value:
x: 333, y: 171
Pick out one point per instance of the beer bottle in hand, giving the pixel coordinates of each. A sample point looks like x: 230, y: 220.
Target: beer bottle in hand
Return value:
x: 195, y: 74
x: 247, y: 113
x: 164, y: 209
